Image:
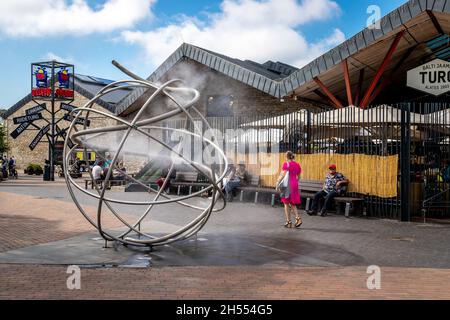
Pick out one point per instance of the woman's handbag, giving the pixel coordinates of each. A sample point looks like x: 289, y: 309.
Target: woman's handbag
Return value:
x: 284, y: 183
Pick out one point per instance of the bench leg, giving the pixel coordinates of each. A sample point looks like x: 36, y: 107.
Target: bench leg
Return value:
x: 242, y: 196
x: 424, y: 215
x: 308, y: 203
x: 347, y: 209
x: 338, y: 207
x: 256, y: 197
x: 273, y: 200
x: 86, y: 184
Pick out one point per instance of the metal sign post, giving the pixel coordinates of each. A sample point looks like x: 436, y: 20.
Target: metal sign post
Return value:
x: 51, y: 81
x: 59, y: 86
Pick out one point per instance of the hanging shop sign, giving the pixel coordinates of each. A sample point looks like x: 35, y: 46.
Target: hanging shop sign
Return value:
x: 18, y: 131
x: 432, y: 77
x: 81, y: 121
x: 63, y: 133
x: 24, y: 122
x: 29, y: 118
x: 39, y: 136
x: 67, y: 107
x: 36, y: 109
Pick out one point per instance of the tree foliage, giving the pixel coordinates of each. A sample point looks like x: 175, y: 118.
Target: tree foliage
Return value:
x: 3, y: 139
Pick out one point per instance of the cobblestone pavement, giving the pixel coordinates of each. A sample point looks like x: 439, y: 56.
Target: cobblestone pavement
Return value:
x: 243, y: 253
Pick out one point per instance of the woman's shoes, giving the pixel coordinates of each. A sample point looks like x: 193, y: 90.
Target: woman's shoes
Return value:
x: 298, y: 222
x: 288, y: 224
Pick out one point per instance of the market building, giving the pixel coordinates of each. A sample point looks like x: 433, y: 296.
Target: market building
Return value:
x: 377, y: 105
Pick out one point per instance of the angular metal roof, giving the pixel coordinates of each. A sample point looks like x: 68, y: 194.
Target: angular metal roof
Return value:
x: 368, y: 48
x: 413, y: 17
x: 264, y: 77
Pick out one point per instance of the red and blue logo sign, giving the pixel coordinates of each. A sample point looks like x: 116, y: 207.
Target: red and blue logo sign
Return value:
x: 41, y: 77
x: 63, y: 78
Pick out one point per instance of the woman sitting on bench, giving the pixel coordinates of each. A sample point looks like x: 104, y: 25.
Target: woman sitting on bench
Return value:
x: 235, y: 179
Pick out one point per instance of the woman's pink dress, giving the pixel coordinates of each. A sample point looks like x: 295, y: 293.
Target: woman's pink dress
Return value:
x: 294, y: 171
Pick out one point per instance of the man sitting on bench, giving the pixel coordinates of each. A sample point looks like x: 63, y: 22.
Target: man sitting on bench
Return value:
x: 333, y: 187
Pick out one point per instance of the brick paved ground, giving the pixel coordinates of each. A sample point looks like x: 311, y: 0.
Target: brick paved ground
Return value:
x: 240, y: 282
x: 27, y: 220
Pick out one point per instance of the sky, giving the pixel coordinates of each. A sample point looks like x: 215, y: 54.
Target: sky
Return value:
x: 141, y: 34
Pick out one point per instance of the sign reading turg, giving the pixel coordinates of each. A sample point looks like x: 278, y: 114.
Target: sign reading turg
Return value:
x: 432, y: 77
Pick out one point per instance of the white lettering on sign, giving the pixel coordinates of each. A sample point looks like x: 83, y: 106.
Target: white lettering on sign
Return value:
x: 432, y: 77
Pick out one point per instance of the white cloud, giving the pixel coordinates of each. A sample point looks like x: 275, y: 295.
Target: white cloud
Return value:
x: 52, y: 56
x: 80, y: 67
x: 31, y: 18
x: 246, y: 29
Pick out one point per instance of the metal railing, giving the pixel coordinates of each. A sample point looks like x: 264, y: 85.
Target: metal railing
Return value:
x: 419, y: 133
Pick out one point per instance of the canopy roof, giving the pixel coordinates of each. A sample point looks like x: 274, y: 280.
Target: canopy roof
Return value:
x: 425, y: 24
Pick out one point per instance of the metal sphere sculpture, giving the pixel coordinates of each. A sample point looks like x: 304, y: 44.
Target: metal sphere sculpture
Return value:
x: 143, y: 125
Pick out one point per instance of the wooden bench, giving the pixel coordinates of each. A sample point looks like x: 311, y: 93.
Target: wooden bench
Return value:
x: 308, y: 188
x: 186, y: 179
x: 100, y: 183
x: 254, y: 186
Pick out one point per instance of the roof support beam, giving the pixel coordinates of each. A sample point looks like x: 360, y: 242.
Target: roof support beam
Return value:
x: 435, y: 22
x: 360, y: 83
x: 320, y: 94
x: 380, y: 71
x: 330, y: 96
x: 390, y: 79
x: 347, y: 82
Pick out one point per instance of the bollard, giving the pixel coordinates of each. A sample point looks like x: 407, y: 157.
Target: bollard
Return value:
x: 347, y: 209
x: 256, y: 197
x: 308, y: 200
x: 242, y: 195
x: 273, y: 200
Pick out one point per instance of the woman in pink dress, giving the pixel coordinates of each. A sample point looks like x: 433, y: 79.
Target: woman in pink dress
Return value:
x: 291, y: 196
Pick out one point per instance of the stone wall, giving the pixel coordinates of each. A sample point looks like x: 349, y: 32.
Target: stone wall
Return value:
x: 246, y: 100
x: 210, y: 83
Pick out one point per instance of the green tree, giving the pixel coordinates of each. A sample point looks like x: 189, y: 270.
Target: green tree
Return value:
x: 3, y: 140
